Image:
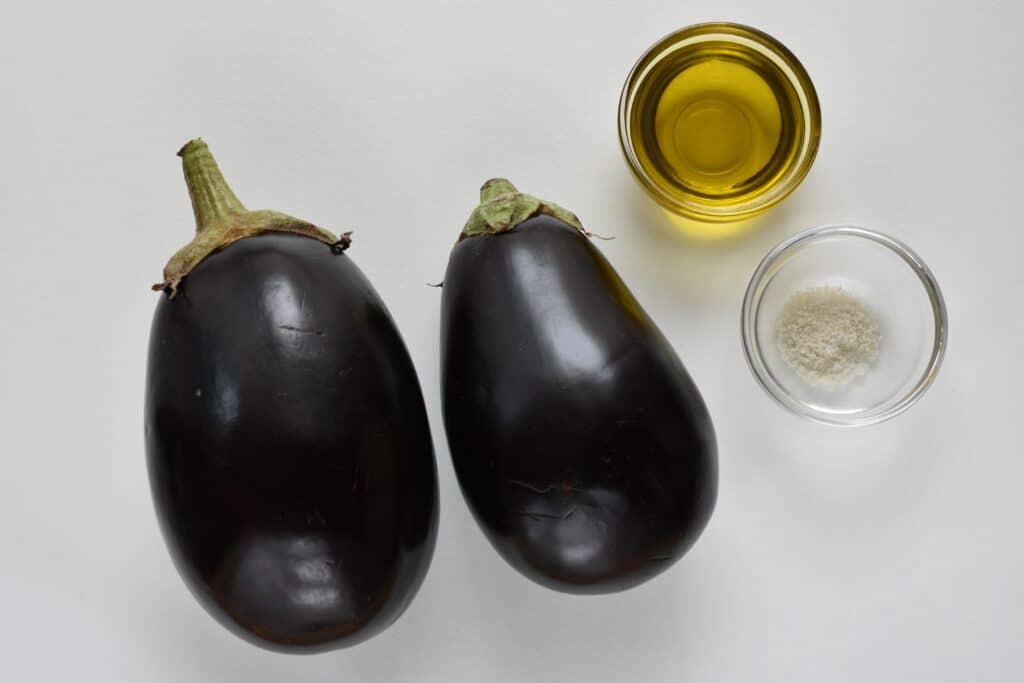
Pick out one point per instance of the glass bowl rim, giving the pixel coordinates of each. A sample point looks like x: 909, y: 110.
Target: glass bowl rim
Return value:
x: 751, y: 306
x: 800, y: 80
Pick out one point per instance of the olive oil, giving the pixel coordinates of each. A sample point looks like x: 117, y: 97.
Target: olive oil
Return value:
x: 717, y: 128
x: 719, y: 122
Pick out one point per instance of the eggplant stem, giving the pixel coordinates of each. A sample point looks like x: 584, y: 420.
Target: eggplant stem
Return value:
x: 503, y: 207
x: 212, y: 198
x: 221, y: 219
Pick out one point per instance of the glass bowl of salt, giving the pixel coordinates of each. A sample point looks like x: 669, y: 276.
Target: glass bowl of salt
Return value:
x: 844, y: 325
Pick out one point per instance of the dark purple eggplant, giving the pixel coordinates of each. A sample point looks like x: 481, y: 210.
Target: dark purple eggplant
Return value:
x: 289, y: 453
x: 580, y: 442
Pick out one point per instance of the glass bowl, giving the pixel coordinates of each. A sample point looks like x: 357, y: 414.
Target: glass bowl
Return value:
x: 893, y: 284
x: 734, y: 44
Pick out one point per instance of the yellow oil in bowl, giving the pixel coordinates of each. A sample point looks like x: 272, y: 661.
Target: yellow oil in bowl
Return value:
x: 719, y: 122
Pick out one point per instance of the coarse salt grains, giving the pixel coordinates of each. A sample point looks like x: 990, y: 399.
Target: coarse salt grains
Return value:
x: 827, y: 336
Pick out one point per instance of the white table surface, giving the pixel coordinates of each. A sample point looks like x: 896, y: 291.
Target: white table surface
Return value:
x: 889, y: 553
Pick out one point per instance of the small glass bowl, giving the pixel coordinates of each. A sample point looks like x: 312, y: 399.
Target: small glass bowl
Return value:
x: 891, y: 281
x: 806, y: 119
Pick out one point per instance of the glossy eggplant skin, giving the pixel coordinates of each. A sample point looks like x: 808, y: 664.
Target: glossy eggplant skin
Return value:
x: 580, y: 442
x: 289, y: 453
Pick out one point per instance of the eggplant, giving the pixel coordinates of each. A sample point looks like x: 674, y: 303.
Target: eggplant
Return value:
x: 288, y: 448
x: 580, y: 443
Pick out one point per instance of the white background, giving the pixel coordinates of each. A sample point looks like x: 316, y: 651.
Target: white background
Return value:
x: 888, y: 553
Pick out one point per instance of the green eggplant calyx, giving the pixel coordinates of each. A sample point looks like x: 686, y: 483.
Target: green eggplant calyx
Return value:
x: 221, y: 219
x: 502, y: 207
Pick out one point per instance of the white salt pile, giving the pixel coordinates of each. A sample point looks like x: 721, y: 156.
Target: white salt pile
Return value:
x: 827, y: 336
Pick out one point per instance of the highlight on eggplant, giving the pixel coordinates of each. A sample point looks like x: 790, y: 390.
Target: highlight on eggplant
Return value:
x: 580, y: 443
x: 289, y: 454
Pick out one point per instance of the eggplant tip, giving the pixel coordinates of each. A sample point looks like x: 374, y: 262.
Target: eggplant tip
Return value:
x: 496, y: 187
x: 190, y: 145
